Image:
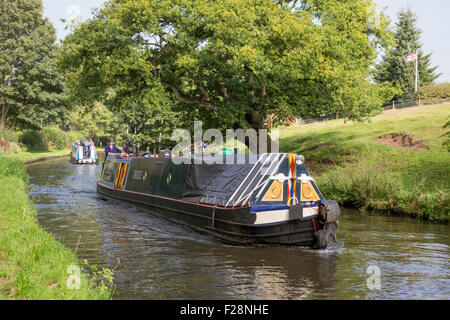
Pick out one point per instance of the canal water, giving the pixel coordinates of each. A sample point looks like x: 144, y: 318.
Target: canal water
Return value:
x: 375, y: 257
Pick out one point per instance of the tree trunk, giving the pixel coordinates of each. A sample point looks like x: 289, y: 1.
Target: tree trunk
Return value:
x: 272, y: 145
x: 5, y: 109
x: 254, y: 122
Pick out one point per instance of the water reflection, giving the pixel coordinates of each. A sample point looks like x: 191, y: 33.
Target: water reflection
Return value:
x: 161, y: 260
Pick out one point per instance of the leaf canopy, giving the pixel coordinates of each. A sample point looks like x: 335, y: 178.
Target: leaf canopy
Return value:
x: 31, y: 86
x: 231, y: 62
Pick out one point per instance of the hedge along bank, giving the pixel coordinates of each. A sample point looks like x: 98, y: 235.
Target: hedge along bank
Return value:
x: 49, y: 139
x: 33, y: 264
x: 434, y: 93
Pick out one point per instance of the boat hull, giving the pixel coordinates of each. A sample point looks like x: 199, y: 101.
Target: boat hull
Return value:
x: 235, y: 225
x: 84, y: 161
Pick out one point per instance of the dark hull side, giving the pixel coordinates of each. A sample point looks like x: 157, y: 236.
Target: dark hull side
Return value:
x: 232, y: 225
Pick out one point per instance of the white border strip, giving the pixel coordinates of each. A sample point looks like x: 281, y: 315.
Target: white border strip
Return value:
x: 272, y: 216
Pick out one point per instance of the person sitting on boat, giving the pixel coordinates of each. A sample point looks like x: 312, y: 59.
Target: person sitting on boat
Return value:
x: 128, y: 147
x: 89, y: 145
x: 84, y: 144
x: 111, y: 148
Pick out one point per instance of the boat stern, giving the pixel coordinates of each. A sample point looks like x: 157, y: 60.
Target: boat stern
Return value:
x: 291, y: 196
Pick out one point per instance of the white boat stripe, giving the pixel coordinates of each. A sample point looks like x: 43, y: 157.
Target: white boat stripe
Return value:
x: 254, y: 176
x: 263, y: 217
x: 262, y: 182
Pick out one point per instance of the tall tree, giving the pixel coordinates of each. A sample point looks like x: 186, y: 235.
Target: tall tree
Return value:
x: 395, y: 69
x: 233, y: 61
x: 31, y: 88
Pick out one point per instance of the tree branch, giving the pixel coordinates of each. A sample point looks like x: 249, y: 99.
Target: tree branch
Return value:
x: 5, y: 109
x: 263, y: 95
x: 226, y: 97
x: 201, y: 102
x: 293, y: 4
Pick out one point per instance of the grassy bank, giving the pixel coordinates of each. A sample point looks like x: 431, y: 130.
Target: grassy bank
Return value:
x: 31, y: 156
x: 353, y: 165
x: 33, y: 264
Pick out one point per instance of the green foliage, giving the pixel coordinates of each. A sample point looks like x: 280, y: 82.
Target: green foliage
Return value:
x: 31, y: 88
x: 394, y: 69
x: 352, y: 165
x: 13, y: 167
x: 230, y: 63
x: 94, y: 121
x: 9, y: 147
x: 447, y: 134
x: 102, y: 140
x: 72, y: 136
x: 365, y: 185
x: 371, y: 185
x: 50, y: 138
x: 33, y: 140
x: 9, y: 141
x: 9, y: 135
x: 34, y: 265
x: 435, y: 93
x: 55, y: 138
x: 148, y: 115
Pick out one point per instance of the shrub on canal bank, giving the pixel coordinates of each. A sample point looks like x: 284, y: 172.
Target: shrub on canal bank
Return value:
x: 370, y: 186
x: 9, y: 141
x: 434, y: 93
x: 55, y: 138
x: 33, y: 264
x: 33, y: 140
x: 50, y: 138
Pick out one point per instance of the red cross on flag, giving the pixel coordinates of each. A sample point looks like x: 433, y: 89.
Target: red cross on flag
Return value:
x: 412, y: 57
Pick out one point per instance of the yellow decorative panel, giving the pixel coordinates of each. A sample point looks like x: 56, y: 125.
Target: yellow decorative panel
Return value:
x: 275, y: 192
x: 308, y: 193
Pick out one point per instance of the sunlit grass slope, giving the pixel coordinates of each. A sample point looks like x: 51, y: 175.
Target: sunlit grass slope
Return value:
x: 354, y: 167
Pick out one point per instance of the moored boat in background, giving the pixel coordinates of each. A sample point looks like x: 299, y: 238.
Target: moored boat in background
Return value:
x: 266, y: 199
x: 83, y: 154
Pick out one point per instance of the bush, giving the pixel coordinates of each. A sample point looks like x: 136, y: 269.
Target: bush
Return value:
x: 9, y: 141
x: 72, y: 136
x: 8, y: 135
x: 33, y: 140
x: 55, y: 138
x: 435, y: 93
x: 374, y: 186
x: 366, y: 185
x: 9, y: 147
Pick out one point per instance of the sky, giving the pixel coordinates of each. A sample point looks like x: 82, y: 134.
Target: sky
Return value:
x: 433, y: 20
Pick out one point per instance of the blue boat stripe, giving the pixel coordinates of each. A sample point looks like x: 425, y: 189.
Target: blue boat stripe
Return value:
x: 269, y: 208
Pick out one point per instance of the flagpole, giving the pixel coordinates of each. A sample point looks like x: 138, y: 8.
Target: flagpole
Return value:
x: 417, y: 63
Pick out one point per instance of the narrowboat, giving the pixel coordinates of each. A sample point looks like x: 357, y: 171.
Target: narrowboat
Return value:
x: 257, y: 199
x: 83, y: 154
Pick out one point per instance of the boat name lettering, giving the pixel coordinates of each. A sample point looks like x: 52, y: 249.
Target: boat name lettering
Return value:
x: 139, y: 175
